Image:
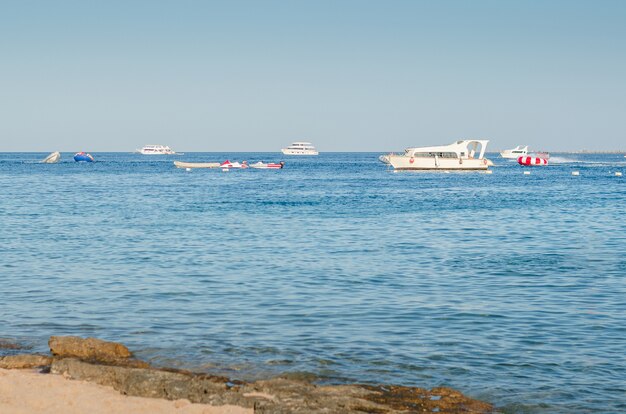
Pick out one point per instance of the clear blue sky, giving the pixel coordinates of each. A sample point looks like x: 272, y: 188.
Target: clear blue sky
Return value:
x: 346, y: 75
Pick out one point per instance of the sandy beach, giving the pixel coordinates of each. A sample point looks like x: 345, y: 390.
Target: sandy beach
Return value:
x: 28, y: 392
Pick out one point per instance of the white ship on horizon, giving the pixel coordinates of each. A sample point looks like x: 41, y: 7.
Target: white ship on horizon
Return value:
x: 300, y: 148
x: 156, y: 150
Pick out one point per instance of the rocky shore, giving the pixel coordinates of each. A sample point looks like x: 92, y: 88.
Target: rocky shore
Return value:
x: 111, y: 364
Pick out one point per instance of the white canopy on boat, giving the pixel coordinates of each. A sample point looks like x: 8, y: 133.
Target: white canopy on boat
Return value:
x: 463, y: 148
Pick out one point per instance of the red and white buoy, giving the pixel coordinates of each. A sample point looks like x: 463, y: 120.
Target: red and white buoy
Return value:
x: 531, y: 161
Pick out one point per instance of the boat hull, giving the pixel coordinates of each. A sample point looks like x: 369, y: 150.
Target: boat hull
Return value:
x: 180, y: 164
x: 52, y: 158
x: 270, y: 166
x: 511, y: 156
x: 402, y: 162
x: 156, y: 153
x: 298, y: 152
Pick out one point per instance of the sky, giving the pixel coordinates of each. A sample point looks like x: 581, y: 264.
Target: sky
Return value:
x: 347, y: 75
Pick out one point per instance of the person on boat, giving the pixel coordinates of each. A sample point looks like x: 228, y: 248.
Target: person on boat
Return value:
x: 244, y: 164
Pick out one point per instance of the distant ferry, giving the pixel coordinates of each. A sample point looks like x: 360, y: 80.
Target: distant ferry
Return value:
x: 300, y: 148
x: 515, y: 153
x: 156, y: 150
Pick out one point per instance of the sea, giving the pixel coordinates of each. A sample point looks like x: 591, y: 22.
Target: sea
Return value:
x: 509, y: 287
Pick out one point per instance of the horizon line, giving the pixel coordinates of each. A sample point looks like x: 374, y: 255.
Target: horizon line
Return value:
x: 583, y: 151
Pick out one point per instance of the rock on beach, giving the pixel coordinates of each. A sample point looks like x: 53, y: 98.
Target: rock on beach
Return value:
x: 109, y: 364
x: 89, y: 348
x: 24, y: 361
x: 9, y: 344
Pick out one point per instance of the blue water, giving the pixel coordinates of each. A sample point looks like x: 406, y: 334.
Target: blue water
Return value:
x: 510, y: 288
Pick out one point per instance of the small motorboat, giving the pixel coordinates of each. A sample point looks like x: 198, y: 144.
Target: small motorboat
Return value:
x: 180, y: 164
x: 83, y: 157
x: 228, y: 164
x: 53, y: 158
x: 529, y: 161
x: 263, y: 166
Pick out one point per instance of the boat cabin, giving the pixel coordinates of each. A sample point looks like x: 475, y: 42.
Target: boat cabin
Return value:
x: 465, y: 149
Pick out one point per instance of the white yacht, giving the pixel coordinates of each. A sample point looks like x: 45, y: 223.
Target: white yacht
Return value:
x: 52, y: 158
x: 156, y: 150
x: 300, y: 148
x: 515, y: 153
x: 460, y: 155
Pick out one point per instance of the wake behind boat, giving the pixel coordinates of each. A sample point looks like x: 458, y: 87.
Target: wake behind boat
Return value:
x: 460, y: 155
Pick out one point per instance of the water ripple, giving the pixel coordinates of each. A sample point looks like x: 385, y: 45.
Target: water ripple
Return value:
x: 509, y: 287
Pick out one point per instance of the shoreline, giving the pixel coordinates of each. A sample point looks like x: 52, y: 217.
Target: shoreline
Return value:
x: 80, y: 373
x: 57, y: 394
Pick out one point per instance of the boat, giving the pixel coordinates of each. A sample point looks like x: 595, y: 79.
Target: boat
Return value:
x: 515, y: 152
x: 263, y: 166
x: 460, y: 155
x: 180, y: 164
x: 300, y: 148
x: 229, y: 164
x: 53, y: 158
x: 83, y: 157
x: 156, y: 150
x: 530, y: 161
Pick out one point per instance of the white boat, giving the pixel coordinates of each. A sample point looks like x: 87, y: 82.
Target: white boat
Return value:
x: 53, y: 158
x: 300, y: 148
x: 236, y: 164
x: 460, y: 155
x: 515, y: 153
x: 269, y: 166
x: 181, y: 164
x: 156, y: 150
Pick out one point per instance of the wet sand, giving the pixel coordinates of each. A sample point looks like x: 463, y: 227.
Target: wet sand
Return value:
x: 29, y: 392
